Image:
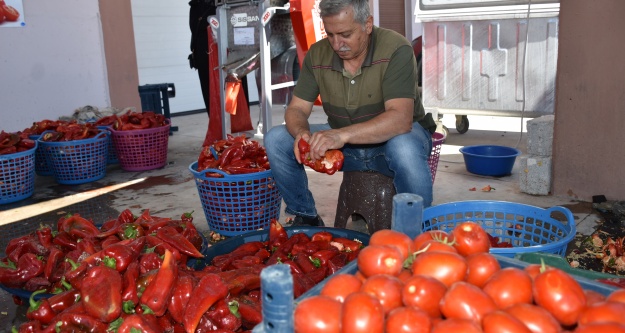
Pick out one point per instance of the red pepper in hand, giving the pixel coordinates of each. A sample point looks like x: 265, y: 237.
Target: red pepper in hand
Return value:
x: 158, y: 293
x: 208, y: 291
x: 101, y: 291
x: 331, y: 162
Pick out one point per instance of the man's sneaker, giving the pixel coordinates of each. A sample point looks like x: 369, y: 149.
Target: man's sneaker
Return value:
x: 298, y: 221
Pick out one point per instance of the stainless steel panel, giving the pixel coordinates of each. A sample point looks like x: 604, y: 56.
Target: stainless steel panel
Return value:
x: 448, y: 4
x: 476, y: 66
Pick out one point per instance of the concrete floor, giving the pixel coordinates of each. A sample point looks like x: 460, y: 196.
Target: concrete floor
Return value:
x: 171, y: 190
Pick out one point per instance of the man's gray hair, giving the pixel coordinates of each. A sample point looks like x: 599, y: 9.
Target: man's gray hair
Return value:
x: 333, y: 7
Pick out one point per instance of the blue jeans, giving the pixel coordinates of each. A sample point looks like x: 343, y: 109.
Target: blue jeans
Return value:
x: 403, y: 158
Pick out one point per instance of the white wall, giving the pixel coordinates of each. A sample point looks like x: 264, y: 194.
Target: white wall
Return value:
x: 53, y: 65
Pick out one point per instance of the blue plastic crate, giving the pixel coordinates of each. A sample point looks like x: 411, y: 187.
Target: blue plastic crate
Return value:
x: 527, y: 228
x: 77, y: 161
x: 17, y: 175
x: 237, y: 204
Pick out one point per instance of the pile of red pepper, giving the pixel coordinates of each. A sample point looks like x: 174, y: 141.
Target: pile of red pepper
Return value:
x: 233, y: 155
x: 331, y: 162
x: 311, y: 259
x: 11, y: 143
x: 45, y: 125
x: 70, y: 131
x: 131, y: 121
x: 131, y: 273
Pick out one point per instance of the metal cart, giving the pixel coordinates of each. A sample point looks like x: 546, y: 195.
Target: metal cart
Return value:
x: 488, y: 57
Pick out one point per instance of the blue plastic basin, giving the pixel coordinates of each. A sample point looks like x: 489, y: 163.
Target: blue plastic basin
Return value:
x: 489, y: 160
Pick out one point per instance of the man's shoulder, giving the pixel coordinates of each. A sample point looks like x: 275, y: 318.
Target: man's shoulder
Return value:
x: 387, y: 38
x: 321, y: 51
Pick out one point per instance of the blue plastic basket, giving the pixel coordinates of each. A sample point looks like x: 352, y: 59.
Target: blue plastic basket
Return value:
x: 41, y: 166
x: 527, y: 228
x: 77, y: 161
x: 17, y: 176
x: 237, y: 204
x: 111, y: 157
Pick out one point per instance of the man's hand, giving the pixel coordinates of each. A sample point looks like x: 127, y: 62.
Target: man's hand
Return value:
x: 322, y: 141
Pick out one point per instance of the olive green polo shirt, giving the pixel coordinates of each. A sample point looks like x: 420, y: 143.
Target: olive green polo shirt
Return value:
x: 389, y: 71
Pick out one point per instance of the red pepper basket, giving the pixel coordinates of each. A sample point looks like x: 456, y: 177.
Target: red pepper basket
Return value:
x: 77, y: 161
x: 17, y: 176
x: 237, y: 204
x: 437, y: 142
x: 141, y: 150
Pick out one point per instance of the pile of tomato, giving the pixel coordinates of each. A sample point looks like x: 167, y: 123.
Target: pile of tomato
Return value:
x: 444, y: 282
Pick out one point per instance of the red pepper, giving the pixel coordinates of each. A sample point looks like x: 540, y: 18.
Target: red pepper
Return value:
x: 108, y: 241
x: 314, y: 246
x: 40, y: 309
x: 158, y: 293
x: 277, y: 257
x: 190, y: 232
x: 160, y: 247
x: 331, y: 162
x: 124, y: 253
x: 174, y: 238
x: 77, y: 226
x: 208, y: 291
x: 180, y: 297
x: 149, y: 261
x: 322, y: 235
x: 225, y: 314
x: 318, y: 274
x: 130, y: 297
x: 26, y: 244
x: 28, y: 267
x: 54, y: 258
x: 224, y: 261
x: 295, y: 268
x: 337, y: 262
x: 145, y: 323
x: 246, y: 262
x: 305, y: 263
x: 243, y: 282
x: 44, y: 235
x: 101, y: 292
x: 325, y: 255
x: 77, y: 273
x: 130, y: 231
x: 348, y: 244
x: 78, y: 322
x: 65, y: 241
x: 277, y: 233
x: 64, y: 300
x: 250, y: 310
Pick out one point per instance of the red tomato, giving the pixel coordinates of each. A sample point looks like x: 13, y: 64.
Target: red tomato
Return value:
x: 481, y: 267
x: 435, y: 245
x: 469, y: 238
x: 509, y: 286
x: 380, y: 259
x: 456, y: 325
x: 466, y: 301
x: 393, y: 238
x: 601, y: 328
x: 603, y: 312
x: 424, y: 292
x: 560, y: 294
x: 362, y: 313
x: 534, y: 269
x: 1, y: 14
x: 503, y: 322
x: 617, y: 296
x: 447, y: 267
x: 386, y: 288
x: 339, y: 286
x: 593, y: 297
x: 429, y: 235
x: 10, y: 14
x: 408, y: 320
x: 317, y: 314
x: 537, y: 319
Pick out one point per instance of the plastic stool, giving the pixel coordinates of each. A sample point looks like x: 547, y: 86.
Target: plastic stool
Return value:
x: 368, y: 194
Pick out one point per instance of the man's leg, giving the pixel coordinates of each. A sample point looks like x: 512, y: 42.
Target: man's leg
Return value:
x: 407, y: 156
